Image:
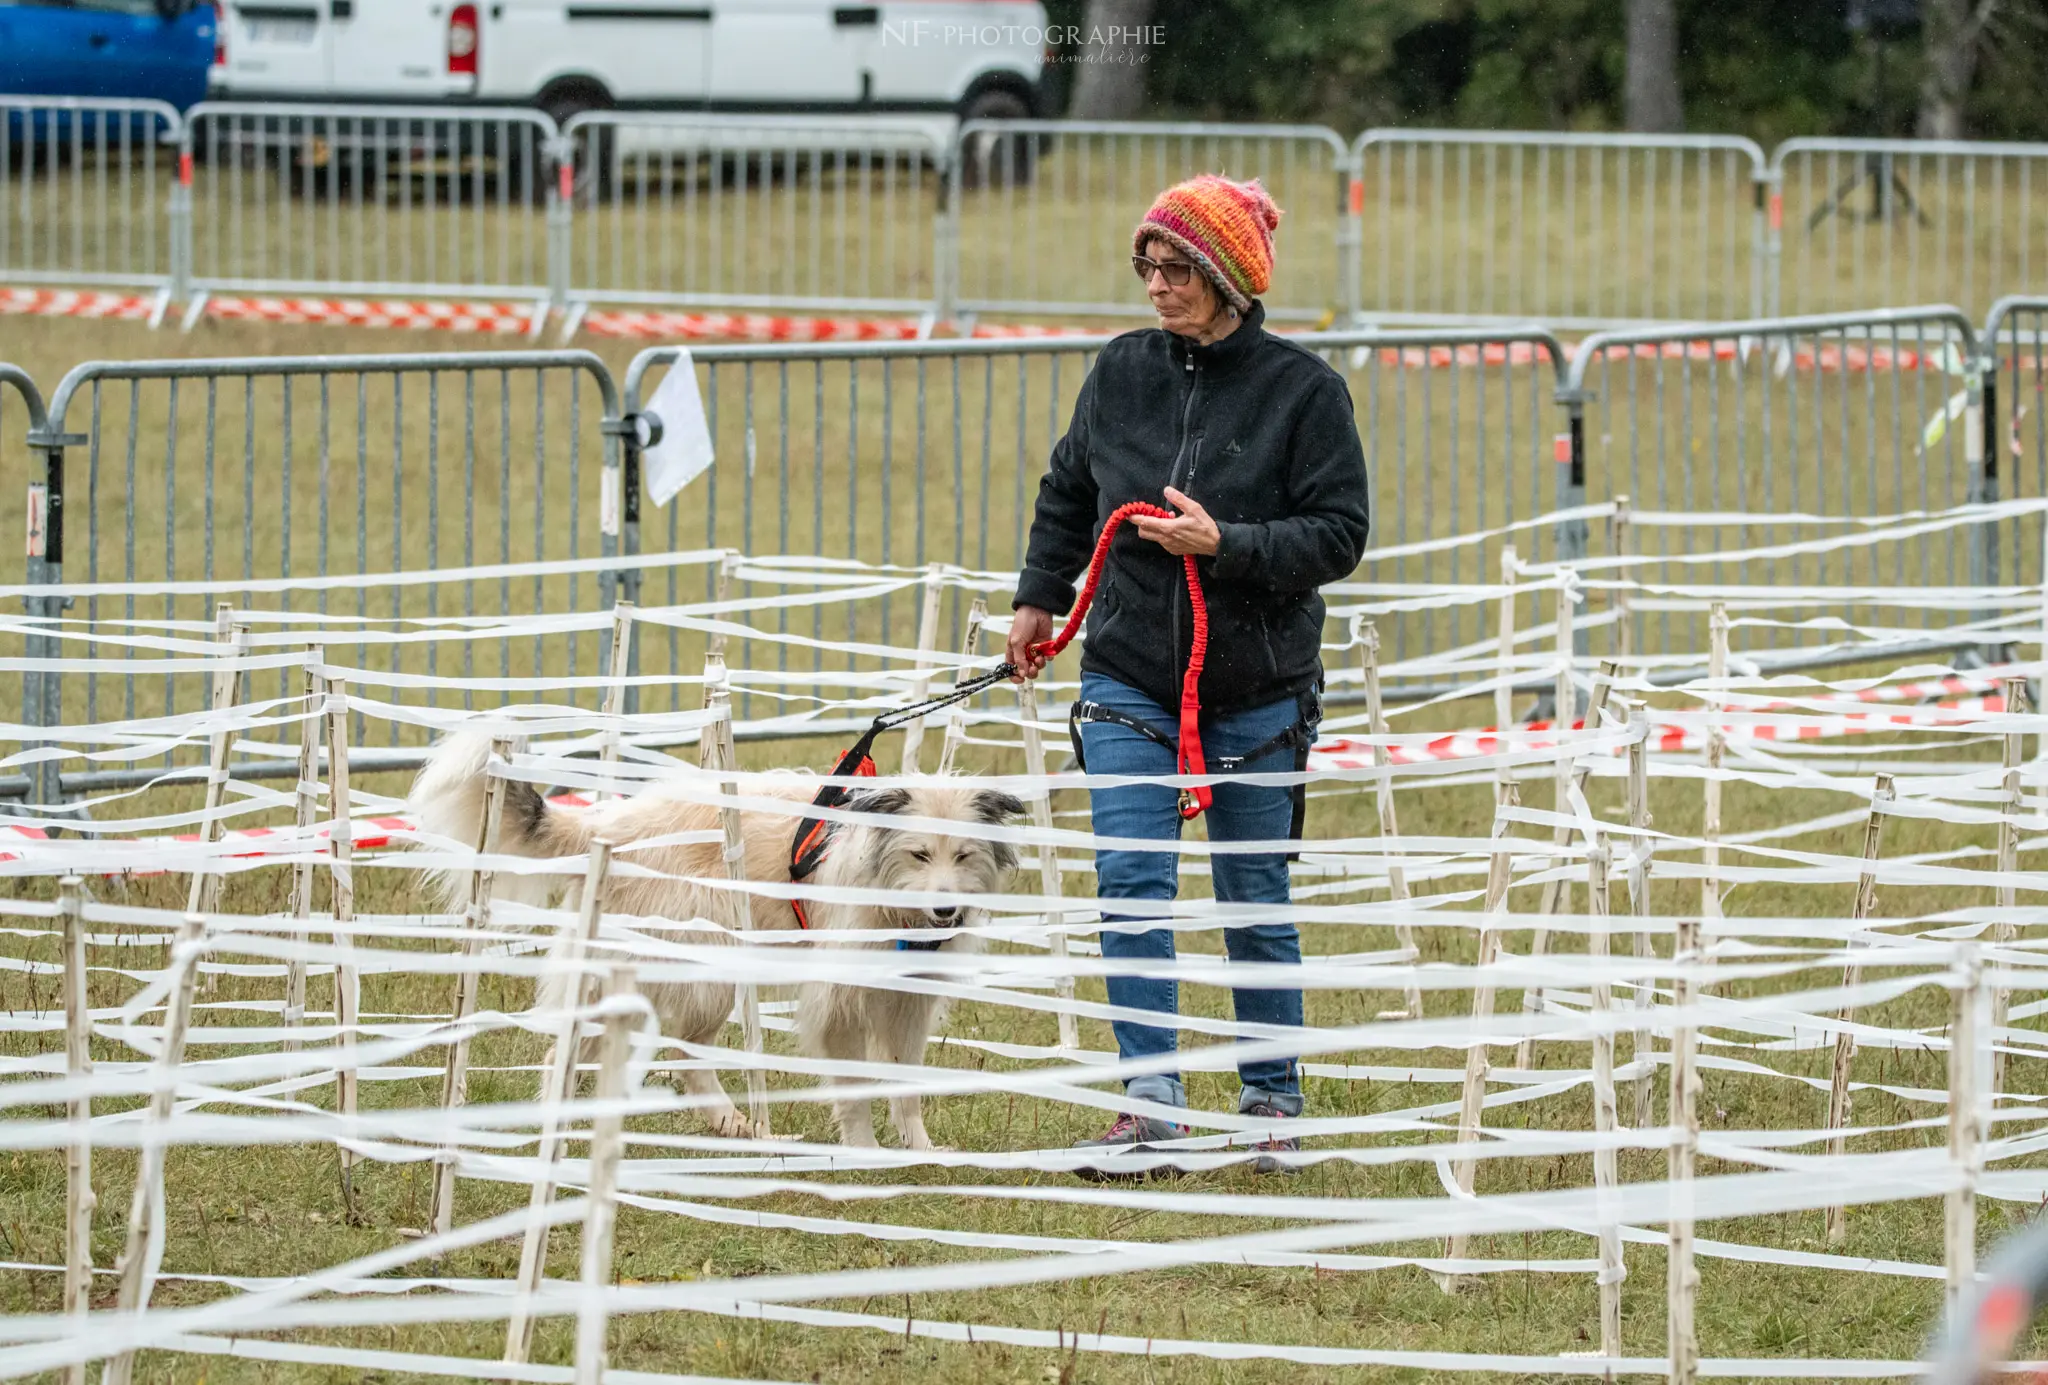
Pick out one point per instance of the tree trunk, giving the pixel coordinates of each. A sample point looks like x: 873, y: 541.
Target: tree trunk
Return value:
x: 1950, y: 32
x: 1114, y: 63
x: 1654, y: 104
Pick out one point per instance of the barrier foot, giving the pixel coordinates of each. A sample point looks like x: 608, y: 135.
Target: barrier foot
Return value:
x: 194, y: 311
x: 159, y: 308
x: 572, y: 321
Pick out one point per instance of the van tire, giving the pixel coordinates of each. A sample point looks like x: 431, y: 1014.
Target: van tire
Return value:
x: 988, y: 160
x: 596, y: 150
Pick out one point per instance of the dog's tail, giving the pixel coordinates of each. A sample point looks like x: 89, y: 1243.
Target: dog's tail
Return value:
x: 447, y: 800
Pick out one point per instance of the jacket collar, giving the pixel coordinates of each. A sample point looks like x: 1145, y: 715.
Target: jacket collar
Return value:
x: 1232, y: 350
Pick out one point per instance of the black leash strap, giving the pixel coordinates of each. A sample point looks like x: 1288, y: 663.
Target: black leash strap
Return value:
x: 1301, y: 736
x: 807, y: 848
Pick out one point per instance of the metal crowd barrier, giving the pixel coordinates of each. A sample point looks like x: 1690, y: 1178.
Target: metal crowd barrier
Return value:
x: 27, y: 485
x: 1012, y: 218
x: 764, y: 212
x: 1825, y: 415
x: 2015, y: 433
x: 1862, y: 223
x: 370, y: 200
x: 208, y: 472
x: 89, y: 193
x: 1572, y: 230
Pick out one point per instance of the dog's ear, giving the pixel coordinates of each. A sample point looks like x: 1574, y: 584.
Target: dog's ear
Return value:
x: 995, y: 807
x: 892, y: 801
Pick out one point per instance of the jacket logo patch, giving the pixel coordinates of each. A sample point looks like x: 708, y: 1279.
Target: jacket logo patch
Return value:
x: 1233, y: 448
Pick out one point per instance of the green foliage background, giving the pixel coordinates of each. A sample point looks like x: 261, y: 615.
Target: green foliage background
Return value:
x: 1769, y: 69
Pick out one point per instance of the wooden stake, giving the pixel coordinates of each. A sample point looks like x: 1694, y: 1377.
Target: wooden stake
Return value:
x: 1471, y: 1111
x: 2004, y: 931
x: 1503, y: 692
x: 726, y: 566
x: 1557, y: 893
x: 1553, y: 893
x: 1368, y: 637
x: 720, y: 756
x: 1640, y: 852
x: 606, y: 1140
x: 1048, y: 857
x: 1606, y: 1166
x: 347, y: 984
x: 927, y: 641
x: 1964, y: 1133
x: 615, y: 690
x: 1619, y: 537
x: 1682, y: 1279
x: 455, y: 1076
x: 79, y: 1201
x: 956, y: 715
x: 1852, y: 973
x: 1717, y: 749
x: 558, y: 1084
x: 204, y: 891
x: 145, y: 1208
x: 306, y: 811
x: 2041, y: 739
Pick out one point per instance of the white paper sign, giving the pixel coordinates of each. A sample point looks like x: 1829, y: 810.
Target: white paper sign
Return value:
x: 684, y: 452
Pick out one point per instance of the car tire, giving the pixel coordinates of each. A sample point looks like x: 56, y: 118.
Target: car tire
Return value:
x: 995, y: 160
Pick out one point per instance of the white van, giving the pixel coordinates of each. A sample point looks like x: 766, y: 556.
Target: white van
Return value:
x: 968, y: 58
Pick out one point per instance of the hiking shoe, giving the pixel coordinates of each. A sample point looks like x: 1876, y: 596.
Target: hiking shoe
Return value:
x: 1129, y: 1136
x: 1273, y: 1145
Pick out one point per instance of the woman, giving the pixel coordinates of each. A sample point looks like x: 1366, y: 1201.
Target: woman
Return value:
x: 1250, y: 440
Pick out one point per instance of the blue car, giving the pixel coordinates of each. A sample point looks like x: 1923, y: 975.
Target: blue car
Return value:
x: 158, y: 50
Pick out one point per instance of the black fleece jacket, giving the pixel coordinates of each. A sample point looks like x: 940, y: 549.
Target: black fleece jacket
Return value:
x: 1260, y: 432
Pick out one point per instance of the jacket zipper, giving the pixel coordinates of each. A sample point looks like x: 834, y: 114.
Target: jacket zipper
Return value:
x: 1187, y: 415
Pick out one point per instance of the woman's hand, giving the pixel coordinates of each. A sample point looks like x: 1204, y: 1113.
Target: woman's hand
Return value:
x: 1191, y: 531
x: 1031, y: 625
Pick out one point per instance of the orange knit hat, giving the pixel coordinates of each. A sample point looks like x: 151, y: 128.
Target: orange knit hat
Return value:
x: 1226, y: 228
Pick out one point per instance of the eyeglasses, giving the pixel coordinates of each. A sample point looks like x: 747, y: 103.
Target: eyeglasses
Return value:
x: 1177, y: 272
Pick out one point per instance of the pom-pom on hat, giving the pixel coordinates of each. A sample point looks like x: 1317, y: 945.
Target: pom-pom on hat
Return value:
x: 1226, y: 228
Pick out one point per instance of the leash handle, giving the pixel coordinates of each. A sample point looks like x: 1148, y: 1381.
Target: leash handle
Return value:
x: 1195, y: 801
x: 1057, y: 644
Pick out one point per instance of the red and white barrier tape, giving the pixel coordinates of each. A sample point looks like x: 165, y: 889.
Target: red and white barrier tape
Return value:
x: 124, y: 307
x: 349, y: 312
x: 661, y: 325
x: 678, y: 326
x: 1666, y: 737
x: 369, y: 834
x: 1345, y: 752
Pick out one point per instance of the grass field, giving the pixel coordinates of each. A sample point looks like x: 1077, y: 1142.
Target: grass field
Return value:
x: 277, y: 1211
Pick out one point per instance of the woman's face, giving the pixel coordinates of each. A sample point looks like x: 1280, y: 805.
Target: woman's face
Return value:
x: 1188, y: 310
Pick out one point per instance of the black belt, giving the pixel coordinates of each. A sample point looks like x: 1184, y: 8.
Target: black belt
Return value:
x: 1301, y: 736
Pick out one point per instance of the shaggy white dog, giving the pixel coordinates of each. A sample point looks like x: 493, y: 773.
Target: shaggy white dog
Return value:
x: 834, y: 1020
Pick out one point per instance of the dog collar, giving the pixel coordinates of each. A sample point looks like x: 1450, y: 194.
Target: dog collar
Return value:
x: 906, y: 945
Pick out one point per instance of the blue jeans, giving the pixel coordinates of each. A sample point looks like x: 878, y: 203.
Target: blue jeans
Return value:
x: 1241, y: 812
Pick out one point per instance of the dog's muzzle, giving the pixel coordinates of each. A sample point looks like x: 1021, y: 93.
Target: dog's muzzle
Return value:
x: 948, y: 914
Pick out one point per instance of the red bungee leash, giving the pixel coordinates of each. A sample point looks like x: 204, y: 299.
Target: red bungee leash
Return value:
x: 1193, y: 801
x: 807, y: 848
